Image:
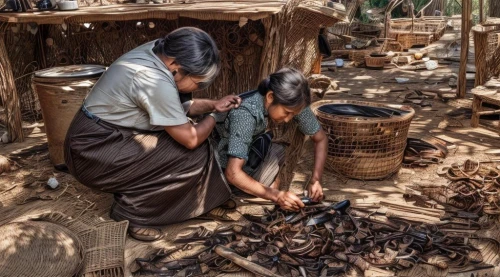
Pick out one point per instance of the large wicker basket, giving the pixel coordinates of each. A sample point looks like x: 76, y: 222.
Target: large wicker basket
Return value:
x: 61, y: 91
x: 60, y: 102
x: 365, y: 148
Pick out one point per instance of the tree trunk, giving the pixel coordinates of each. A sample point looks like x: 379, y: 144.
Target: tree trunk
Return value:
x: 436, y: 5
x: 494, y: 8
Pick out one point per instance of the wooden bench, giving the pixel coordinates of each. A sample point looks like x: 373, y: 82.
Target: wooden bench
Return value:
x: 478, y: 109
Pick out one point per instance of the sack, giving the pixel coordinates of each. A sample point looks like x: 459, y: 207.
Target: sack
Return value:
x: 324, y: 46
x: 259, y: 149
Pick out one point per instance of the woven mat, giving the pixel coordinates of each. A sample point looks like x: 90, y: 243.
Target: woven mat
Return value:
x: 37, y: 248
x: 103, y: 241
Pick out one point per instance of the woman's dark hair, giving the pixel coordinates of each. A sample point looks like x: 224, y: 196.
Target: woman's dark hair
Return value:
x: 289, y: 86
x: 195, y: 52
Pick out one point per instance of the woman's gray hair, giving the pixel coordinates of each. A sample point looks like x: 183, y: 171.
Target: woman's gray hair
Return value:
x: 194, y: 51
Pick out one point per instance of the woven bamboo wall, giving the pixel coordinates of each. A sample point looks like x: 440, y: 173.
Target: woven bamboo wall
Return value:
x: 103, y: 42
x: 249, y: 52
x: 19, y: 40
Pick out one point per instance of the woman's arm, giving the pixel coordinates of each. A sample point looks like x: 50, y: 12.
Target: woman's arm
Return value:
x: 309, y: 125
x: 189, y: 135
x: 237, y: 177
x: 320, y: 151
x: 202, y: 106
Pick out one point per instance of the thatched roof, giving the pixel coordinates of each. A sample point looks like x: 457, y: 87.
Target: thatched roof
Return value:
x: 208, y: 10
x: 196, y: 9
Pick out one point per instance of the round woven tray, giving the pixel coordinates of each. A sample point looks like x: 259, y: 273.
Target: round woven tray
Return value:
x: 365, y: 148
x: 37, y: 248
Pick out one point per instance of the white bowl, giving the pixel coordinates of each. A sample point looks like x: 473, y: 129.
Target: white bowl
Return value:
x: 402, y: 80
x: 431, y: 65
x: 68, y: 5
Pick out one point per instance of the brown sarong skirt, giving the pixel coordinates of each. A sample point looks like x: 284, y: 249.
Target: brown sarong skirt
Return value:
x: 155, y: 180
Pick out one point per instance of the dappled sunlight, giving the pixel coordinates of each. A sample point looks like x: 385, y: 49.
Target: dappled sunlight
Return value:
x: 148, y: 142
x: 381, y: 86
x: 39, y: 248
x: 377, y: 91
x: 363, y: 77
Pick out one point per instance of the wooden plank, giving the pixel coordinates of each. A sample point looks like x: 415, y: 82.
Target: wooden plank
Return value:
x: 220, y: 10
x: 489, y: 112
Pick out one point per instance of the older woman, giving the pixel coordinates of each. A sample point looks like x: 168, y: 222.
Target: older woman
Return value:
x: 133, y: 138
x: 250, y: 160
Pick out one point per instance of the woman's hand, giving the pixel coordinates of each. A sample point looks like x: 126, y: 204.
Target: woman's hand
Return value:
x: 289, y: 201
x: 227, y: 103
x: 315, y: 191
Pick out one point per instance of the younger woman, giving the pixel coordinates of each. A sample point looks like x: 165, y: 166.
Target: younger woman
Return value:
x: 282, y: 97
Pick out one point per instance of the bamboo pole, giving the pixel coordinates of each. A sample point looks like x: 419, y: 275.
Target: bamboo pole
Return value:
x: 229, y: 254
x: 481, y: 11
x: 8, y: 95
x: 464, y: 55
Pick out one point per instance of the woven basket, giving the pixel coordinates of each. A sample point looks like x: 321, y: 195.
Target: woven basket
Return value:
x: 60, y: 100
x: 375, y: 62
x: 361, y: 147
x: 39, y: 249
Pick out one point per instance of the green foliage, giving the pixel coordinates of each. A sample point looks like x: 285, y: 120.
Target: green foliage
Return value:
x: 377, y: 3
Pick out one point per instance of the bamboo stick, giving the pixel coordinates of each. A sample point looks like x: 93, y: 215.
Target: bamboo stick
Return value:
x: 489, y: 112
x: 392, y: 204
x: 242, y: 262
x: 390, y: 213
x: 464, y: 55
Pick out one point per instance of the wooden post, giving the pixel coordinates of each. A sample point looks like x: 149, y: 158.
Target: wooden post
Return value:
x: 8, y: 94
x: 481, y: 49
x: 464, y: 55
x: 476, y: 108
x: 481, y: 11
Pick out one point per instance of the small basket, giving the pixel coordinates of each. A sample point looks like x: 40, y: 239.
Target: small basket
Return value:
x: 375, y: 62
x: 365, y: 148
x: 358, y: 56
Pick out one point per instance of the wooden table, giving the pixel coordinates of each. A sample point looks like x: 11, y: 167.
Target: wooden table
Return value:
x: 478, y: 109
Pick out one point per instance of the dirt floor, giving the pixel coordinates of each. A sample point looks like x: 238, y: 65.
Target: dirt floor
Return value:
x: 22, y: 191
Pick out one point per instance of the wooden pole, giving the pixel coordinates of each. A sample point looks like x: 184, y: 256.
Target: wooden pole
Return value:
x: 476, y: 108
x: 8, y: 94
x: 464, y: 55
x: 481, y: 11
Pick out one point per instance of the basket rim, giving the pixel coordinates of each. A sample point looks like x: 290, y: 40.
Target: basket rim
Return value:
x: 411, y: 112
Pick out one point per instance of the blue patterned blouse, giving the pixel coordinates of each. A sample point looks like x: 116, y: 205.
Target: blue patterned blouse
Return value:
x: 244, y: 124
